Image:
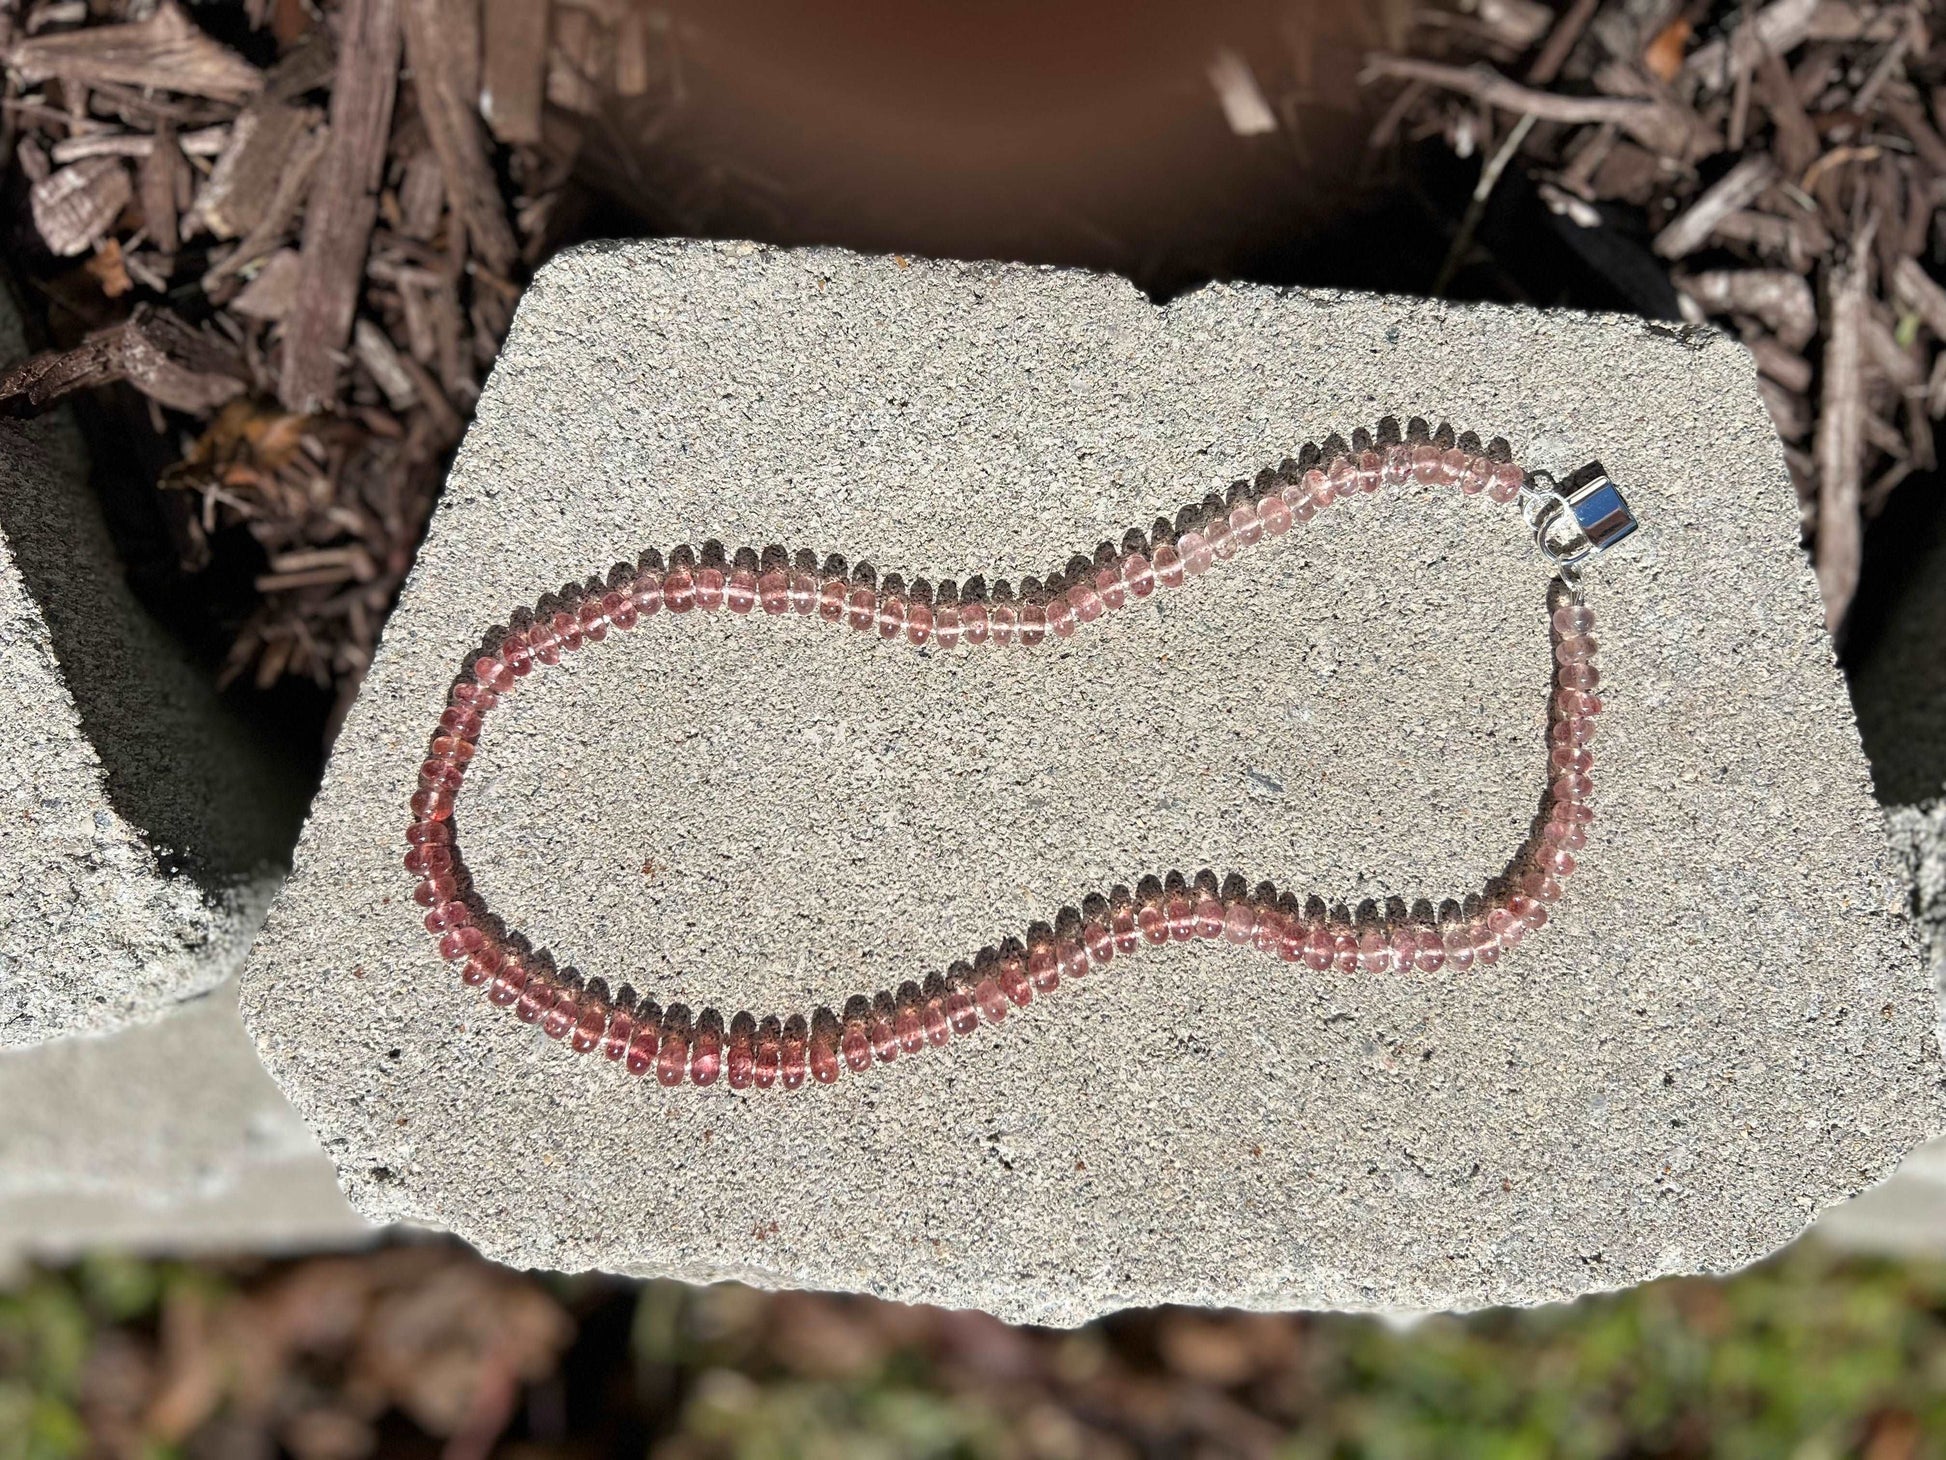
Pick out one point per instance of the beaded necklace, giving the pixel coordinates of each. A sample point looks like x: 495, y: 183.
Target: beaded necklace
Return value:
x: 1572, y: 524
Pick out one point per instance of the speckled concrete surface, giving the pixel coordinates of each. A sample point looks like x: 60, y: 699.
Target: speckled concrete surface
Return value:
x: 142, y: 834
x: 166, y: 1137
x: 1727, y: 1027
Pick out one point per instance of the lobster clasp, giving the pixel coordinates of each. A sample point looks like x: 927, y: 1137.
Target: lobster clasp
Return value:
x: 1576, y: 521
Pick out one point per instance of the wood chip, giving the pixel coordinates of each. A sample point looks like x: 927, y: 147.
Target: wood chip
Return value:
x: 1736, y: 189
x: 439, y: 68
x: 244, y: 181
x: 1839, y: 447
x: 343, y: 206
x: 293, y: 185
x: 1781, y: 364
x: 1782, y: 302
x: 74, y: 206
x: 514, y: 68
x: 167, y: 52
x: 1921, y: 293
x: 269, y: 295
x: 1779, y: 27
x: 422, y: 195
x: 203, y: 142
x: 162, y: 175
x: 153, y: 350
x: 376, y: 353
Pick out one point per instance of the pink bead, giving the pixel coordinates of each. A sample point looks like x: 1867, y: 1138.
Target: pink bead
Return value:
x: 1541, y: 887
x: 1267, y: 936
x: 740, y: 1059
x: 1180, y: 914
x: 646, y: 594
x: 644, y: 1043
x: 1344, y: 951
x: 1274, y: 516
x: 992, y: 1002
x: 1033, y: 624
x: 1003, y: 619
x: 804, y: 593
x: 1011, y: 976
x: 481, y: 967
x: 1506, y: 927
x: 1527, y: 910
x: 1086, y: 603
x: 1425, y: 464
x: 740, y: 592
x: 1197, y: 555
x: 1571, y: 758
x: 672, y: 1056
x: 1582, y: 677
x: 793, y: 1054
x: 1430, y: 955
x: 1572, y: 787
x: 1317, y: 948
x: 619, y: 609
x: 774, y: 591
x: 706, y: 1054
x: 711, y: 589
x: 1572, y: 731
x: 946, y: 625
x: 1374, y: 951
x: 508, y: 981
x: 768, y: 1066
x: 679, y: 591
x: 1071, y: 956
x: 1342, y: 477
x: 491, y: 674
x: 615, y: 1039
x: 589, y: 1028
x: 910, y: 1022
x: 431, y: 804
x: 961, y: 1012
x: 1556, y: 862
x: 1453, y: 465
x: 884, y: 1030
x: 862, y: 609
x: 423, y: 833
x: 1061, y: 617
x: 1568, y: 835
x: 1318, y: 488
x: 1370, y: 466
x: 1168, y: 565
x: 1458, y: 939
x: 594, y: 622
x: 831, y: 600
x: 891, y: 616
x: 1245, y: 526
x: 976, y: 624
x: 536, y: 999
x: 565, y: 1014
x: 1217, y: 535
x: 1573, y: 618
x: 1504, y: 481
x: 515, y: 654
x: 856, y: 1046
x: 460, y: 943
x: 1239, y: 923
x: 918, y: 623
x: 1293, y: 937
x: 1486, y: 947
x: 1405, y: 947
x: 461, y: 721
x: 1139, y: 574
x: 1153, y: 923
x: 452, y: 748
x: 1108, y: 585
x: 1100, y: 941
x: 823, y: 1055
x: 1575, y: 649
x: 1207, y: 915
x: 1043, y: 968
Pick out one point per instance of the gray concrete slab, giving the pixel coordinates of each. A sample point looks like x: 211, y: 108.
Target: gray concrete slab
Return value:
x: 142, y: 833
x: 166, y: 1137
x: 1727, y: 1027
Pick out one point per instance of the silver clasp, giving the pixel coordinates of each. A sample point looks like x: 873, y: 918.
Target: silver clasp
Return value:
x: 1575, y: 522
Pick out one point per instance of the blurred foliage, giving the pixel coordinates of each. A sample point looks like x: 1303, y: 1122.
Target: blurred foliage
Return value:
x: 423, y: 1349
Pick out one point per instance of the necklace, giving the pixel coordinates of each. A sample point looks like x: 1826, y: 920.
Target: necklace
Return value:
x: 1572, y: 524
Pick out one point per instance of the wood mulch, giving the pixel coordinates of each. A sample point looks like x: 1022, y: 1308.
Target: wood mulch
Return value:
x: 301, y: 238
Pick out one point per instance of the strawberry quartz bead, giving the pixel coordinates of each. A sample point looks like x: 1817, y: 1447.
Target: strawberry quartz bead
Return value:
x: 1458, y: 943
x: 976, y: 625
x: 1002, y: 619
x: 891, y: 616
x: 452, y: 748
x: 1071, y: 957
x: 1138, y: 575
x: 918, y: 623
x: 1538, y: 885
x: 1405, y: 947
x: 508, y: 981
x: 831, y: 600
x: 706, y: 1050
x: 679, y: 591
x: 884, y: 1029
x: 804, y: 593
x: 1179, y: 913
x: 1318, y: 949
x: 539, y: 996
x: 1575, y: 649
x: 1473, y: 474
x: 932, y: 1015
x: 515, y: 655
x: 1291, y: 936
x: 823, y: 1051
x: 490, y: 673
x: 1168, y: 565
x: 1197, y: 555
x: 1573, y: 618
x: 1508, y: 928
x: 481, y: 967
x: 620, y: 610
x: 461, y: 721
x: 740, y: 591
x: 1061, y: 617
x: 1110, y: 591
x: 774, y: 591
x: 1207, y: 915
x: 861, y: 610
x: 1033, y: 624
x: 1571, y: 759
x: 590, y: 1026
x: 1568, y: 835
x: 1486, y: 945
x: 1580, y: 676
x: 855, y: 1044
x: 1555, y: 861
x: 621, y: 1029
x: 646, y: 1040
x: 1344, y: 950
x: 1374, y: 951
x: 768, y: 1065
x: 1043, y: 967
x: 646, y: 594
x: 961, y: 1012
x: 740, y: 1058
x: 565, y: 1015
x: 1571, y: 732
x: 672, y: 1054
x: 946, y: 625
x: 1274, y: 516
x: 567, y: 628
x: 910, y: 1020
x: 461, y: 943
x: 1239, y: 923
x: 1504, y: 481
x: 1011, y: 974
x: 1267, y: 934
x: 992, y: 1000
x: 1527, y: 910
x: 594, y: 622
x: 1121, y: 922
x: 1370, y: 469
x: 1573, y: 788
x: 1099, y: 941
x: 1430, y: 955
x: 1217, y: 534
x: 1316, y: 488
x: 1342, y: 477
x: 428, y: 805
x: 429, y: 833
x: 794, y: 1053
x: 711, y: 587
x: 1087, y: 603
x: 1245, y: 528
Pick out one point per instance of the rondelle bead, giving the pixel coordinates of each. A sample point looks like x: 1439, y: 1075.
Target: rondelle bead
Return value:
x: 1486, y: 947
x: 452, y: 748
x: 565, y: 1014
x: 711, y: 588
x: 1033, y: 624
x: 774, y: 591
x: 1086, y: 602
x: 804, y: 593
x: 436, y: 833
x: 594, y: 622
x: 461, y: 943
x: 481, y: 967
x: 1168, y: 565
x: 1573, y: 618
x: 615, y: 1039
x: 1108, y: 584
x: 1292, y: 934
x: 856, y: 1045
x: 1217, y: 535
x: 891, y: 616
x: 620, y: 609
x: 1527, y: 910
x: 1207, y: 914
x: 431, y: 804
x: 536, y: 998
x: 1370, y: 468
x: 1245, y: 525
x: 1344, y: 950
x: 1138, y: 574
x: 1541, y: 887
x: 515, y: 654
x: 884, y: 1030
x: 1453, y: 464
x: 1555, y: 861
x: 1317, y: 488
x: 1071, y: 957
x: 768, y: 1065
x: 706, y: 1052
x: 1576, y: 649
x: 1011, y: 974
x: 590, y: 1026
x: 1342, y: 476
x: 1180, y: 914
x: 740, y: 1054
x: 975, y: 625
x: 1458, y: 939
x: 861, y: 609
x: 1506, y: 927
x: 1405, y: 947
x: 993, y: 1003
x: 1571, y: 835
x: 437, y: 775
x: 1374, y: 951
x: 918, y: 623
x: 1099, y: 940
x: 1571, y: 731
x: 1061, y: 617
x: 1317, y: 949
x: 1397, y: 470
x: 645, y: 1042
x: 1002, y: 619
x: 567, y: 628
x: 946, y: 625
x: 1572, y: 787
x: 472, y: 695
x: 961, y: 1012
x: 740, y: 592
x: 1580, y: 676
x: 910, y: 1021
x: 672, y: 1054
x: 823, y: 1053
x: 1239, y: 922
x: 1504, y: 481
x: 1571, y: 758
x: 1426, y: 464
x: 462, y: 721
x: 1430, y: 954
x: 1043, y: 967
x: 508, y: 980
x: 679, y: 590
x: 792, y: 1053
x: 1121, y: 922
x: 1274, y: 516
x: 490, y: 673
x: 831, y: 600
x: 1472, y: 477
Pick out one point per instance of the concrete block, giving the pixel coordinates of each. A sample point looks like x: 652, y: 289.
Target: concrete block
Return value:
x: 1727, y: 1025
x: 141, y: 832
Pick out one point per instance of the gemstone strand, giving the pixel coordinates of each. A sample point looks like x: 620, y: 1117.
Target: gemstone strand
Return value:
x: 748, y: 1050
